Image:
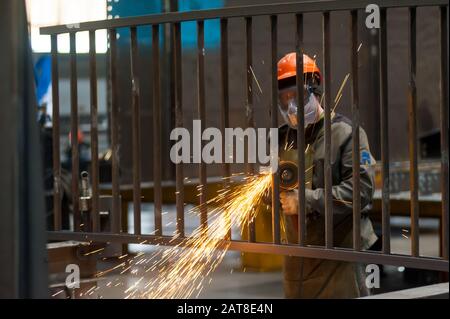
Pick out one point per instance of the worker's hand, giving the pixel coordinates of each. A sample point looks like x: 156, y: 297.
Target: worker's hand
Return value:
x: 289, y: 202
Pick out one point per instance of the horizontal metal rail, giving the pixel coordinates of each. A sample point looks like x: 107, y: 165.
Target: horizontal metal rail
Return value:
x: 267, y: 248
x: 235, y: 12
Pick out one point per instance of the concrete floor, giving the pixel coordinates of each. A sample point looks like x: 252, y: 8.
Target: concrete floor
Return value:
x: 230, y: 280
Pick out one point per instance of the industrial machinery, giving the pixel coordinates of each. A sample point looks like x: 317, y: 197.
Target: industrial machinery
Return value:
x: 288, y: 175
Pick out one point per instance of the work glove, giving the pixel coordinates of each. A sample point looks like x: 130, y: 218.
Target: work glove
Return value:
x: 289, y: 202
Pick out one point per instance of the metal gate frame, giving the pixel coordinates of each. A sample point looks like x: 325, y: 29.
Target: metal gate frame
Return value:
x: 248, y: 12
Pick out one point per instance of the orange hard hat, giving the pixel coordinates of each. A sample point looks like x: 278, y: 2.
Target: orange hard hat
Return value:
x: 287, y: 66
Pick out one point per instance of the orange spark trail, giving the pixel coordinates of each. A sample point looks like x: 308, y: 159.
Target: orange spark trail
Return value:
x: 184, y: 267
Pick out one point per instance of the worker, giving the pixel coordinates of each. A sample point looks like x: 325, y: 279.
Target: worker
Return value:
x: 310, y: 277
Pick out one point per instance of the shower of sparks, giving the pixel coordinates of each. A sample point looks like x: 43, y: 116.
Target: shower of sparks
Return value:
x: 183, y: 268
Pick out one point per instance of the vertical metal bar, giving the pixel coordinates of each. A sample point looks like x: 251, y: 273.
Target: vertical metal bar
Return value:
x: 115, y: 224
x: 55, y: 137
x: 384, y: 125
x: 157, y: 167
x: 74, y: 132
x: 444, y: 128
x: 412, y: 101
x: 274, y: 123
x: 300, y: 133
x: 178, y: 123
x: 94, y: 132
x: 202, y: 116
x: 224, y: 106
x: 249, y: 105
x: 327, y: 144
x: 169, y: 79
x: 24, y: 264
x: 136, y: 132
x: 355, y: 133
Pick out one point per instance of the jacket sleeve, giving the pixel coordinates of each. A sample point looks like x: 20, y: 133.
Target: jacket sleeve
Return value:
x: 343, y: 192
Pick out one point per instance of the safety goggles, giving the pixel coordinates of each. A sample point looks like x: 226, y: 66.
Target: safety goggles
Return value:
x: 288, y: 96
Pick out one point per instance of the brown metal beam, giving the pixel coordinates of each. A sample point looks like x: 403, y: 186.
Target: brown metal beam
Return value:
x: 268, y: 248
x: 157, y: 166
x: 136, y: 131
x: 202, y: 116
x: 56, y: 137
x: 249, y: 105
x: 444, y: 127
x: 355, y: 132
x: 74, y: 133
x: 274, y: 123
x: 327, y: 136
x: 95, y: 221
x: 241, y: 11
x: 300, y: 133
x: 412, y: 134
x: 384, y: 128
x: 115, y: 178
x: 224, y: 108
x: 177, y: 56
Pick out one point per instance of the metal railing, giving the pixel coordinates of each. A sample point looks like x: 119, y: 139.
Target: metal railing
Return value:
x: 247, y: 13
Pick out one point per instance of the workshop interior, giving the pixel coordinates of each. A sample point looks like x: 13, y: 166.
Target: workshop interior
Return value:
x: 224, y: 149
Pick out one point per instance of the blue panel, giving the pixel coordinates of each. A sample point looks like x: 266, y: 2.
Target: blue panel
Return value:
x: 127, y: 8
x: 189, y: 29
